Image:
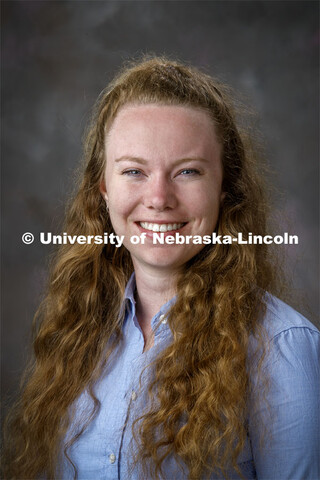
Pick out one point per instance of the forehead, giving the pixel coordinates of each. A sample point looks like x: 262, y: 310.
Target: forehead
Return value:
x: 177, y: 130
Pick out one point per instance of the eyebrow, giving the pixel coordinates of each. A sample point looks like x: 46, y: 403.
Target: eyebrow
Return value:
x: 143, y: 161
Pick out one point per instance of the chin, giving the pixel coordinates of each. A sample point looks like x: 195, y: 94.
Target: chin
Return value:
x: 163, y: 260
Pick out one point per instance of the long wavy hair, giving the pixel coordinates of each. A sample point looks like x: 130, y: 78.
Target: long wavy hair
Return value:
x: 202, y: 377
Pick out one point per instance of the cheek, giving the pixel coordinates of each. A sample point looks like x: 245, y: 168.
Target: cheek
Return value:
x: 121, y: 205
x: 205, y: 203
x: 118, y: 208
x: 124, y: 197
x: 205, y: 210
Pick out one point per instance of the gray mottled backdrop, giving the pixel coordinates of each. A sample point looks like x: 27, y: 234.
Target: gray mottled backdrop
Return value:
x: 56, y: 58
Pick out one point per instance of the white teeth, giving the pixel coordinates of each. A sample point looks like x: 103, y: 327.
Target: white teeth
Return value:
x: 163, y: 227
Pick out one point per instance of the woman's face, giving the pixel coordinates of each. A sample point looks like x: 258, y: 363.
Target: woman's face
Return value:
x: 163, y: 173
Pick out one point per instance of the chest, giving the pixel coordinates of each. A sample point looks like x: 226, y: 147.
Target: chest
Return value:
x: 105, y: 449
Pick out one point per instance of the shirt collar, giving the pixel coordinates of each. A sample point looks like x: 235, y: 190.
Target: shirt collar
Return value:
x: 130, y: 304
x: 130, y: 289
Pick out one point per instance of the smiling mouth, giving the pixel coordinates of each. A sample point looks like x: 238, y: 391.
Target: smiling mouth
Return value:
x: 161, y: 227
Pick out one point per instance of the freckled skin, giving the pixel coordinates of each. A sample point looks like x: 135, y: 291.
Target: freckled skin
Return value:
x: 163, y: 164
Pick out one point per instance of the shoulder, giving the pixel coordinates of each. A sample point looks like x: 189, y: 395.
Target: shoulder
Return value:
x: 291, y: 341
x: 280, y: 318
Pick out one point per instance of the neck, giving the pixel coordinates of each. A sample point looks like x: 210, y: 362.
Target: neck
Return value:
x: 153, y: 290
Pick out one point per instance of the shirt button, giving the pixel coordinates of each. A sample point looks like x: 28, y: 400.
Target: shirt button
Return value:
x: 112, y: 458
x: 163, y: 319
x: 133, y: 395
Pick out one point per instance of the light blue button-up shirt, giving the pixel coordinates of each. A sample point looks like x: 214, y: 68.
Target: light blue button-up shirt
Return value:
x: 104, y: 450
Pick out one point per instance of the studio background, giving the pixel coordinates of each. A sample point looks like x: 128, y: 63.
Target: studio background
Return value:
x: 56, y: 58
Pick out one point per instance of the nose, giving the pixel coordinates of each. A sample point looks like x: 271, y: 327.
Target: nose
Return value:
x: 160, y: 193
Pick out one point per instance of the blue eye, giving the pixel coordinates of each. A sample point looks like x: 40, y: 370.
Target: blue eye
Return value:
x: 133, y: 172
x: 189, y: 171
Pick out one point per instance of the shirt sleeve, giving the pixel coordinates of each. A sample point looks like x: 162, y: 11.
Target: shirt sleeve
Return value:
x: 286, y: 418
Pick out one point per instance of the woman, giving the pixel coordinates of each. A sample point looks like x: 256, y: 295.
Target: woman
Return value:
x: 167, y: 360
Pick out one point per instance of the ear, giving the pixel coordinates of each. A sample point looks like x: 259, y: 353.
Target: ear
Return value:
x: 222, y: 196
x: 103, y: 190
